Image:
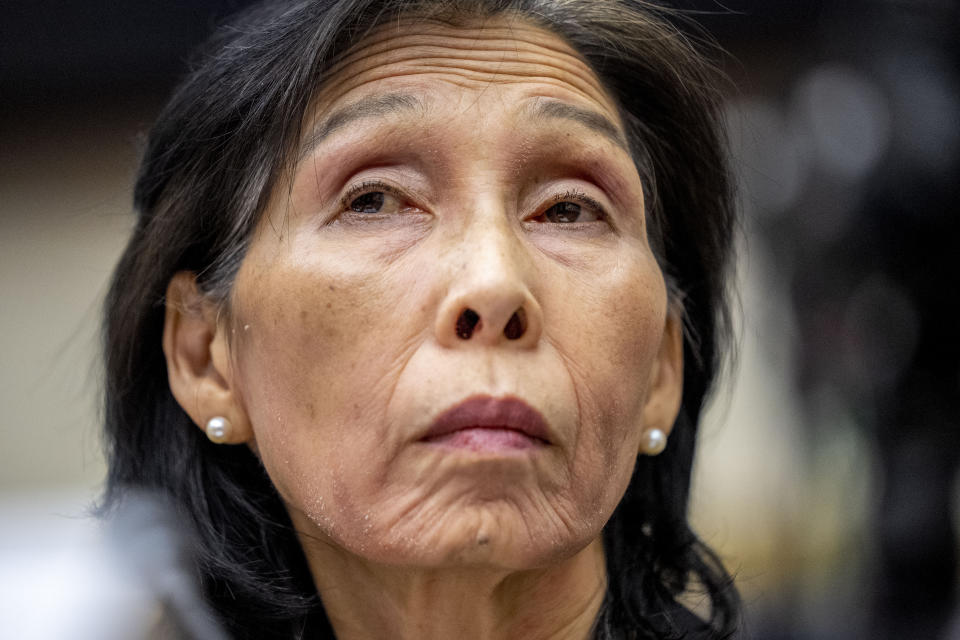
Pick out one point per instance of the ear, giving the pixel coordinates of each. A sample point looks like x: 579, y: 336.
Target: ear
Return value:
x: 198, y: 359
x: 666, y: 379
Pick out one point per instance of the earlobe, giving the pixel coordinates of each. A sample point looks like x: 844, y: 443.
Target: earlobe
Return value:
x: 198, y: 363
x: 666, y: 389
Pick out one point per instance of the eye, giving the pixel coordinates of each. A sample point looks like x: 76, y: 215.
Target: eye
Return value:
x: 369, y: 202
x: 374, y: 202
x: 564, y: 212
x: 375, y: 199
x: 572, y: 207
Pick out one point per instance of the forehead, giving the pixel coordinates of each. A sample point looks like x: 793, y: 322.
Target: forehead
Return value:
x: 496, y: 59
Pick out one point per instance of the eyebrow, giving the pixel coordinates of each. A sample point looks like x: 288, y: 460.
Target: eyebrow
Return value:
x: 369, y: 107
x: 392, y: 103
x: 590, y: 119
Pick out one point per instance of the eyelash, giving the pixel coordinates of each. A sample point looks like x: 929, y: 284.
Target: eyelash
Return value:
x: 368, y: 186
x: 574, y: 195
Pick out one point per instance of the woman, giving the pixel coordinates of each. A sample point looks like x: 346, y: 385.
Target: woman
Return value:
x: 418, y: 319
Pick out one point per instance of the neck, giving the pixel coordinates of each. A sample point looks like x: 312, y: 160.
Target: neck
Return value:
x: 368, y: 600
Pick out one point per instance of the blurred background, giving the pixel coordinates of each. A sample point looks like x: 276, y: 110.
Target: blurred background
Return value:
x: 827, y: 473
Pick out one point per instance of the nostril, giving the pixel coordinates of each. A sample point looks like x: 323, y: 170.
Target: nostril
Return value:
x: 516, y: 325
x: 467, y: 323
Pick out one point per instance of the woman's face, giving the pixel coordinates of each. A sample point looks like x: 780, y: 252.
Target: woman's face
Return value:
x: 442, y: 170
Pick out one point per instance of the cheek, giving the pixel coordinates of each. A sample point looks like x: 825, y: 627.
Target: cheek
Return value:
x: 323, y: 343
x: 317, y: 351
x: 612, y: 330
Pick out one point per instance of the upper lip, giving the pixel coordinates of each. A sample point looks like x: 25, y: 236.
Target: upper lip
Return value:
x: 488, y: 412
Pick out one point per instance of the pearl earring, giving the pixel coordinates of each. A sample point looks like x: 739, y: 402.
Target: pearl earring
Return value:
x: 653, y: 441
x: 218, y: 429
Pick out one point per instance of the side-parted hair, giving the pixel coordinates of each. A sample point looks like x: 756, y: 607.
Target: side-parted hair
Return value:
x: 213, y: 158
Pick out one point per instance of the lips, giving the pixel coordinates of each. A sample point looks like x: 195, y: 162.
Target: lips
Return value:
x: 506, y: 419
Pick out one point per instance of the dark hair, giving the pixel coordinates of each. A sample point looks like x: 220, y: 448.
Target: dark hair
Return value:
x: 214, y: 156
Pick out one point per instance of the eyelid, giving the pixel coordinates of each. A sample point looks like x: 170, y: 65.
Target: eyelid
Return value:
x: 575, y: 195
x: 368, y: 186
x: 580, y: 197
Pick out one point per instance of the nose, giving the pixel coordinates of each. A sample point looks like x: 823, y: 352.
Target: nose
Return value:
x: 489, y: 301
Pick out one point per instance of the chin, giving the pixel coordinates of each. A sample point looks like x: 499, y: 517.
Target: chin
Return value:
x: 495, y: 535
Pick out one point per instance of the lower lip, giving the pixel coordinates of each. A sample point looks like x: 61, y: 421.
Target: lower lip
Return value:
x: 487, y: 440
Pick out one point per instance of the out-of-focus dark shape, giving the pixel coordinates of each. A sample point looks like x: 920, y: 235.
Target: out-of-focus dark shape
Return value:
x: 55, y: 54
x: 864, y: 224
x: 846, y: 119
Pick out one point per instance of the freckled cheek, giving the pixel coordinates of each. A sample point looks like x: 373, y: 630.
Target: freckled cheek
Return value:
x: 312, y: 365
x: 615, y: 329
x: 310, y: 344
